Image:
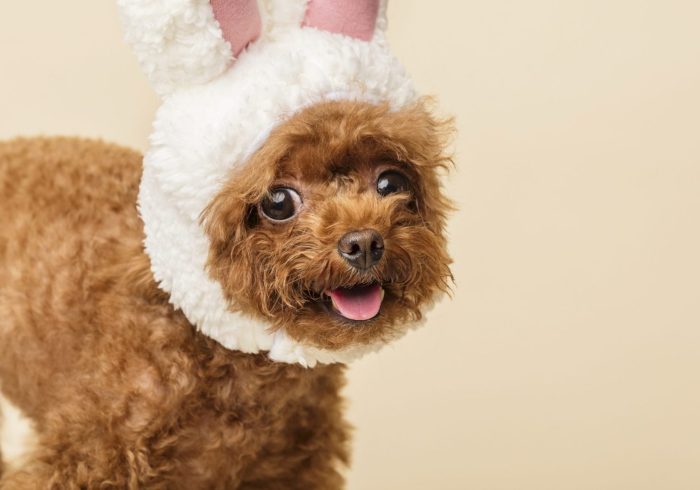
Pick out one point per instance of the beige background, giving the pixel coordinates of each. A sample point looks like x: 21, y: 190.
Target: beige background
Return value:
x: 569, y: 356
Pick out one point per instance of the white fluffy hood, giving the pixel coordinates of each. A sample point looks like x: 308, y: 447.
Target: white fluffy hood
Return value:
x: 215, y: 114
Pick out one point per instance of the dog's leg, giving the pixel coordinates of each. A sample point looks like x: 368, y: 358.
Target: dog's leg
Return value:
x: 27, y: 478
x: 316, y: 473
x: 77, y: 457
x: 47, y: 469
x: 311, y: 456
x: 309, y: 478
x: 126, y: 443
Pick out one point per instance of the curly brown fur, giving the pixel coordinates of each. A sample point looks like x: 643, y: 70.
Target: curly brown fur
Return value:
x: 123, y: 391
x: 332, y: 153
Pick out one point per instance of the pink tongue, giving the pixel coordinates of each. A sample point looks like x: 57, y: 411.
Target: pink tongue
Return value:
x: 359, y: 303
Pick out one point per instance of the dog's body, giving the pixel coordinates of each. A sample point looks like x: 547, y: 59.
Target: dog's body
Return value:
x: 123, y: 392
x: 182, y: 320
x: 117, y: 388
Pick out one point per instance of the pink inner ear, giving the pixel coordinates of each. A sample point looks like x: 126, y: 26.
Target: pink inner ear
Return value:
x: 354, y: 18
x: 239, y: 21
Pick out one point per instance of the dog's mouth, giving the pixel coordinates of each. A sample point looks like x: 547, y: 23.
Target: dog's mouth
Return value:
x: 357, y: 303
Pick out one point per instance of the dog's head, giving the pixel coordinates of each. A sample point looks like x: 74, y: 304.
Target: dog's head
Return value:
x: 334, y: 231
x: 290, y: 195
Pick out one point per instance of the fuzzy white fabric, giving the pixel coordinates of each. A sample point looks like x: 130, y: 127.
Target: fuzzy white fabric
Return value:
x: 202, y: 132
x: 177, y: 42
x: 280, y: 15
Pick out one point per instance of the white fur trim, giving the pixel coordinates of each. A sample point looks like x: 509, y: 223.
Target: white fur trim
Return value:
x: 18, y: 437
x: 204, y: 131
x: 282, y: 15
x: 178, y: 43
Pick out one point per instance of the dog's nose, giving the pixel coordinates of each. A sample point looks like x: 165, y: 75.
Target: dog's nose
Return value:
x: 362, y: 249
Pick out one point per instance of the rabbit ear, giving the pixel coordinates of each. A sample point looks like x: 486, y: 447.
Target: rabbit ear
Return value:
x: 181, y: 43
x: 355, y: 18
x: 239, y: 21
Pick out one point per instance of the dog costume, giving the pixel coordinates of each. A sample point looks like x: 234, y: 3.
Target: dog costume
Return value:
x: 228, y: 73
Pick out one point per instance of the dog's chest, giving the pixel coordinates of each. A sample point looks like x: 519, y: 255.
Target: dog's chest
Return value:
x: 249, y: 414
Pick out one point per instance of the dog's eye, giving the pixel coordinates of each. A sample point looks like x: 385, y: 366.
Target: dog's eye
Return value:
x: 391, y: 182
x: 281, y: 204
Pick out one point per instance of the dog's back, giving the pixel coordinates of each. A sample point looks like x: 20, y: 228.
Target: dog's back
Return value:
x: 58, y: 195
x: 66, y: 206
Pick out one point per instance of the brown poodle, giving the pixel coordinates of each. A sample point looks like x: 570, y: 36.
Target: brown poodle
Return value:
x: 182, y: 319
x: 121, y: 390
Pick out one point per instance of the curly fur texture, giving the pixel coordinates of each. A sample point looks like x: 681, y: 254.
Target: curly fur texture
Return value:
x: 124, y: 392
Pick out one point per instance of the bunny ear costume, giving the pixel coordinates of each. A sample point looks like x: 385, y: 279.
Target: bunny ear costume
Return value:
x: 229, y: 71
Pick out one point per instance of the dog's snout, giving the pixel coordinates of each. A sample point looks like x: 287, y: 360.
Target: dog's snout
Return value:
x: 362, y: 249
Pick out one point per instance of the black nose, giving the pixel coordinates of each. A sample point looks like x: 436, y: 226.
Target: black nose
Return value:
x: 362, y: 249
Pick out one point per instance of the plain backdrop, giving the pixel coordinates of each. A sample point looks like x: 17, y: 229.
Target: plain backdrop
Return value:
x: 569, y: 357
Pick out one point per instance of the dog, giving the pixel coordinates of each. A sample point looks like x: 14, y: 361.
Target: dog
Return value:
x: 326, y: 243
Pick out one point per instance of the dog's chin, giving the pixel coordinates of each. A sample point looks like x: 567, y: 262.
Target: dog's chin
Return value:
x: 338, y: 318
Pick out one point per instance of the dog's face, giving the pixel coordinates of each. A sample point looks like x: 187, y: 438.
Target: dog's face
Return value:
x: 334, y: 230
